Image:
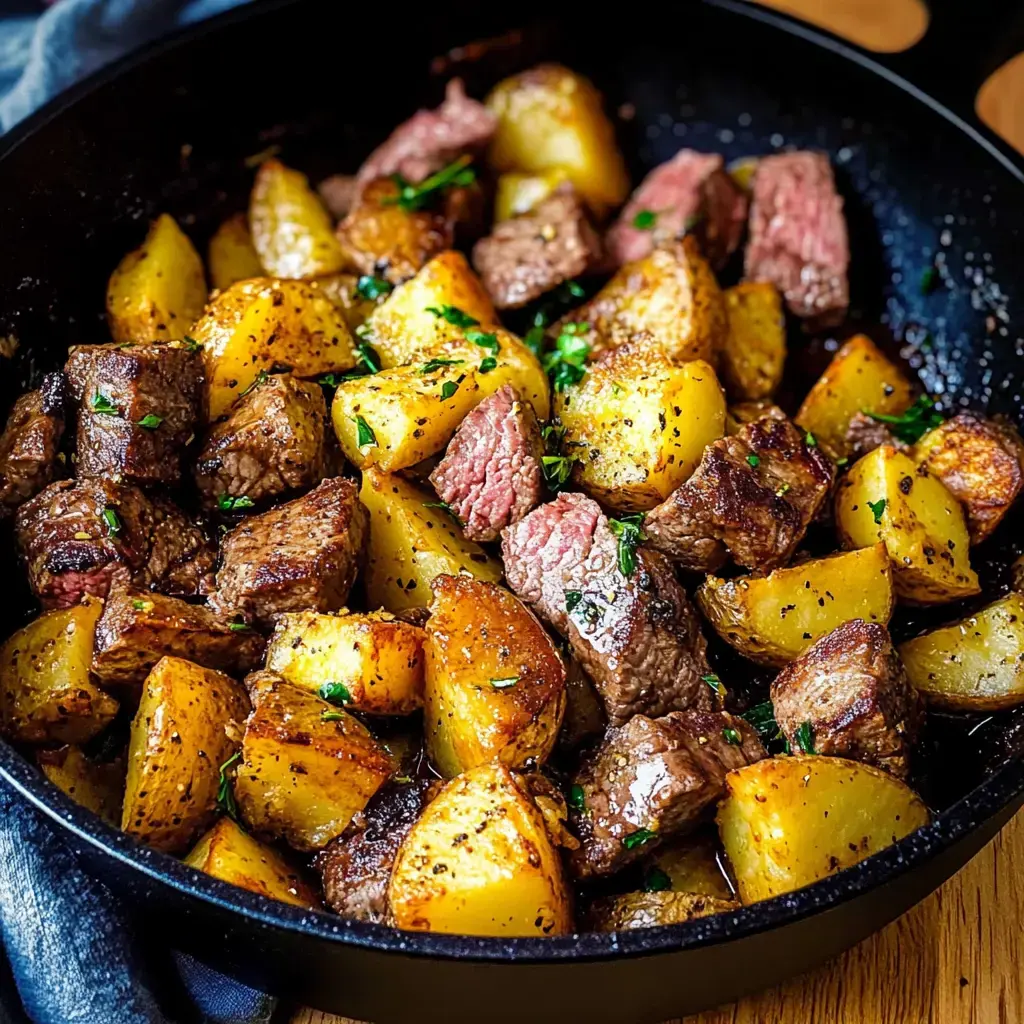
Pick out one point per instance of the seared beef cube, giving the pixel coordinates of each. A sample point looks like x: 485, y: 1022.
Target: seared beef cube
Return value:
x: 849, y: 696
x: 28, y: 446
x: 138, y: 406
x: 491, y: 474
x: 637, y: 635
x: 300, y: 556
x: 652, y: 778
x: 272, y: 443
x: 865, y: 434
x: 526, y: 256
x: 138, y: 627
x: 689, y: 193
x: 181, y: 558
x: 798, y: 237
x: 752, y: 496
x: 339, y: 193
x: 356, y: 867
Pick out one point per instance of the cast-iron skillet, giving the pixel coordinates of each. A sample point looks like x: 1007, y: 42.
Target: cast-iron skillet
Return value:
x: 169, y: 130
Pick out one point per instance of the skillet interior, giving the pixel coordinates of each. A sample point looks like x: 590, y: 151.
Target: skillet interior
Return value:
x: 78, y: 183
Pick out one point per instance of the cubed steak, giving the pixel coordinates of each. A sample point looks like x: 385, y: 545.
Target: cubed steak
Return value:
x: 272, y: 443
x: 75, y: 533
x: 849, y: 696
x: 139, y: 627
x: 865, y: 434
x: 798, y: 238
x: 652, y: 778
x: 30, y: 442
x: 526, y: 256
x: 491, y: 474
x: 692, y: 192
x: 137, y: 409
x: 339, y: 193
x: 300, y: 556
x: 635, y: 634
x: 752, y: 496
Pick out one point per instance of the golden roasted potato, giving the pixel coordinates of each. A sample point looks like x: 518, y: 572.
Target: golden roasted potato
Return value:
x: 517, y: 193
x: 186, y: 728
x: 753, y: 351
x: 231, y: 256
x: 638, y: 425
x: 773, y: 619
x: 229, y: 853
x: 480, y: 862
x: 292, y: 232
x: 495, y: 685
x: 859, y: 379
x: 787, y: 822
x: 693, y: 864
x: 669, y: 298
x: 886, y: 497
x: 403, y: 327
x: 263, y: 324
x: 976, y: 664
x: 96, y: 785
x: 307, y: 767
x: 344, y: 291
x: 157, y: 290
x: 398, y: 417
x: 649, y: 909
x: 46, y: 695
x: 980, y: 462
x: 549, y: 117
x: 412, y: 542
x: 368, y: 662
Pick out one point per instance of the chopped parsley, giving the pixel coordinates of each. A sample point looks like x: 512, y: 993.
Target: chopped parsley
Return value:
x: 239, y: 627
x: 754, y: 460
x: 810, y: 440
x: 448, y: 389
x: 761, y: 717
x: 487, y: 364
x: 438, y: 364
x: 504, y: 683
x: 645, y: 220
x: 103, y: 405
x: 332, y: 716
x: 458, y: 174
x: 557, y: 469
x: 191, y: 344
x: 628, y: 530
x: 657, y: 881
x: 572, y: 598
x: 112, y: 521
x: 139, y: 605
x: 715, y: 683
x: 261, y: 378
x: 228, y: 504
x: 805, y: 737
x: 150, y: 421
x: 910, y: 426
x: 577, y: 799
x: 335, y: 693
x: 877, y: 508
x: 565, y: 364
x: 562, y: 298
x: 843, y: 461
x: 454, y: 316
x: 929, y: 279
x: 366, y: 355
x: 731, y: 735
x: 638, y: 838
x: 225, y: 794
x: 365, y: 437
x: 372, y: 287
x: 485, y: 340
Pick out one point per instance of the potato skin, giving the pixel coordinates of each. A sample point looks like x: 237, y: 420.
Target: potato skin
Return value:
x: 477, y: 633
x: 46, y: 695
x: 773, y: 619
x: 97, y: 786
x: 650, y: 909
x: 753, y: 352
x: 506, y: 881
x: 186, y: 727
x: 231, y: 256
x: 788, y: 822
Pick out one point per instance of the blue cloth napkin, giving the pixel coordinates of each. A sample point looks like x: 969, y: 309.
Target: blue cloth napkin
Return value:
x: 70, y: 956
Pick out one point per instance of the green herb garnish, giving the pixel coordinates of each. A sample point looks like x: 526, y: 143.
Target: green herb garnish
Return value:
x: 372, y: 288
x: 191, y: 344
x: 715, y: 683
x: 577, y: 799
x: 332, y: 716
x: 810, y: 440
x: 929, y: 279
x: 448, y: 389
x: 638, y: 838
x: 364, y: 434
x: 150, y: 421
x: 731, y: 735
x: 910, y: 426
x: 572, y: 598
x: 261, y: 378
x: 239, y: 627
x: 437, y: 364
x: 565, y: 364
x: 761, y: 717
x: 754, y: 460
x: 411, y: 198
x: 228, y: 504
x: 487, y: 364
x: 805, y: 737
x: 225, y: 794
x: 504, y: 683
x: 335, y: 693
x: 454, y: 316
x: 630, y: 533
x: 366, y: 355
x: 112, y: 521
x: 484, y: 340
x: 657, y: 881
x: 645, y: 220
x: 877, y: 508
x: 557, y: 469
x: 139, y: 605
x: 101, y: 404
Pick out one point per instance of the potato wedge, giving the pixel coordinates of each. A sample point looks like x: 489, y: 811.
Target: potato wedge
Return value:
x: 508, y: 880
x: 788, y: 822
x: 773, y: 619
x: 292, y: 232
x: 231, y: 256
x: 187, y: 726
x: 886, y: 497
x: 517, y: 193
x: 157, y: 290
x: 976, y: 664
x: 264, y: 324
x: 859, y: 379
x: 368, y: 662
x: 411, y: 543
x: 650, y: 909
x: 343, y: 290
x: 693, y: 864
x: 753, y: 352
x: 307, y: 767
x: 403, y: 327
x: 96, y: 785
x: 46, y: 695
x: 398, y: 417
x: 495, y: 685
x: 638, y: 425
x: 229, y: 853
x: 549, y: 117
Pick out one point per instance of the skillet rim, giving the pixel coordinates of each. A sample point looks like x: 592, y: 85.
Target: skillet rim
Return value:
x: 1002, y: 791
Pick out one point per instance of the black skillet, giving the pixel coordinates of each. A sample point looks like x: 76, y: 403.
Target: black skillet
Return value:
x: 925, y: 185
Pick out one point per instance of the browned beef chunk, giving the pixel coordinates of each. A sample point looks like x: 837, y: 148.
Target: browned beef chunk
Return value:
x: 356, y: 867
x: 272, y: 443
x: 139, y: 627
x: 798, y: 237
x: 491, y: 473
x: 138, y: 407
x: 849, y: 694
x: 29, y: 444
x: 526, y: 256
x: 75, y: 533
x: 690, y: 192
x: 636, y: 636
x: 864, y: 435
x: 752, y: 497
x: 300, y: 556
x: 650, y: 779
x: 339, y: 193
